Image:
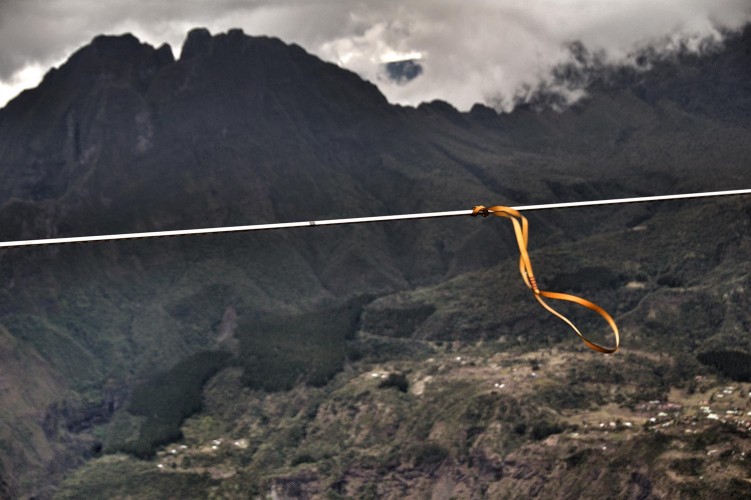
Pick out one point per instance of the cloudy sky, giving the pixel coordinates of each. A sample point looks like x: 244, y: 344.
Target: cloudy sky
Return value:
x: 470, y: 50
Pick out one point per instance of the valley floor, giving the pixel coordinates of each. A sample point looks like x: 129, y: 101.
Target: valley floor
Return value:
x: 473, y: 422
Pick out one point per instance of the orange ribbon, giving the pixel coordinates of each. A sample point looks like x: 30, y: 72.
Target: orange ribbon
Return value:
x: 521, y: 228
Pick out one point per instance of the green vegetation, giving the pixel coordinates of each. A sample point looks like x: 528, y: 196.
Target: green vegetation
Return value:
x: 167, y: 399
x: 348, y: 434
x: 6, y: 490
x: 426, y: 454
x: 402, y: 322
x: 588, y: 278
x: 688, y: 466
x: 396, y: 380
x: 544, y: 428
x: 277, y: 352
x: 58, y: 346
x: 733, y: 364
x: 114, y: 476
x: 303, y: 458
x: 569, y: 396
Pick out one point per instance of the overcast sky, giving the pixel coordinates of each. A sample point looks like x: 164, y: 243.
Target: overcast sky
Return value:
x: 471, y: 50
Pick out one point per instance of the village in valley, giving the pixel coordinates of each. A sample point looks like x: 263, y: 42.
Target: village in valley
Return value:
x: 600, y: 424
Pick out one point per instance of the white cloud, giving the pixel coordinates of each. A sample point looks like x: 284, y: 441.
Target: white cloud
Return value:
x: 25, y: 78
x: 471, y: 51
x: 481, y: 51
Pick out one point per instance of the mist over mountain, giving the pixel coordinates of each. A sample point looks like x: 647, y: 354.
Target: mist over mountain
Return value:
x: 244, y: 130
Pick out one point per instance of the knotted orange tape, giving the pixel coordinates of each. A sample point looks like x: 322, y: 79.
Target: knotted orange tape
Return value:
x: 521, y: 228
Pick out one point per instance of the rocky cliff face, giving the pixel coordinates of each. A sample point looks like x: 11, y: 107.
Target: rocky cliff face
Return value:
x: 244, y: 130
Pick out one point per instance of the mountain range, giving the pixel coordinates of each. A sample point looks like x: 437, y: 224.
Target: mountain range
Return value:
x: 112, y: 351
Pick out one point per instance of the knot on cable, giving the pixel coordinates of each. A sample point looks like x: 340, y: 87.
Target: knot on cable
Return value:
x: 480, y: 210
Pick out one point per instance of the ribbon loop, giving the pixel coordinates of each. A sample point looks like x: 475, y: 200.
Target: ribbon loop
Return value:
x: 480, y: 210
x: 521, y: 229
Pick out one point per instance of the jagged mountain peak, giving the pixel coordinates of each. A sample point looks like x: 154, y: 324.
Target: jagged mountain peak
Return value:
x: 197, y: 41
x: 259, y: 66
x: 116, y: 45
x: 108, y: 59
x: 118, y: 100
x: 229, y: 70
